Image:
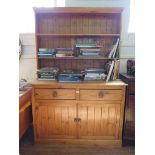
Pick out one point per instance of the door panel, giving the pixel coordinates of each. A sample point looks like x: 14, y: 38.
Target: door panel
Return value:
x: 56, y: 119
x: 98, y: 121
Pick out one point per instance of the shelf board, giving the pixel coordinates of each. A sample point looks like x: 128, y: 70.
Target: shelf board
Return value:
x: 77, y: 58
x: 80, y: 10
x: 77, y: 35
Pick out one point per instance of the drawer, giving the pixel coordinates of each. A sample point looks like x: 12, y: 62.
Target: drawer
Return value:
x: 55, y: 94
x: 111, y: 95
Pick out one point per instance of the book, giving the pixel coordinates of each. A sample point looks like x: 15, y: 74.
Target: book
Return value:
x: 116, y: 46
x: 95, y: 54
x: 110, y: 71
x: 64, y: 55
x: 90, y: 50
x: 115, y: 73
x: 85, y: 45
x: 88, y: 56
x: 112, y: 52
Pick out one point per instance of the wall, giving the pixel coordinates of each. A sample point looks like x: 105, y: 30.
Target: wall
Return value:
x: 27, y: 64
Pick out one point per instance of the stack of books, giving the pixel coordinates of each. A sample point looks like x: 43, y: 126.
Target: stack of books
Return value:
x: 70, y: 76
x: 88, y: 50
x: 46, y: 52
x: 47, y: 73
x: 94, y: 74
x: 64, y: 52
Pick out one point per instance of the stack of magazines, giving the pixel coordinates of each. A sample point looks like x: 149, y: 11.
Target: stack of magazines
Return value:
x: 70, y: 76
x: 88, y: 50
x: 64, y: 52
x: 47, y: 73
x: 94, y: 74
x: 46, y: 52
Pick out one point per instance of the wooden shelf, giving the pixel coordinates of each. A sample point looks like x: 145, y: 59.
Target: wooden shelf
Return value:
x: 77, y: 35
x: 65, y: 27
x: 77, y: 58
x: 88, y: 10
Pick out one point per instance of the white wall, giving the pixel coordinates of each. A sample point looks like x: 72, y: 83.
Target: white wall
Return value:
x: 27, y: 67
x: 27, y: 63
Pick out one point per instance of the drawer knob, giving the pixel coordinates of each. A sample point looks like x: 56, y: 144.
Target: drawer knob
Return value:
x: 100, y: 94
x: 77, y: 119
x: 55, y: 94
x: 36, y: 108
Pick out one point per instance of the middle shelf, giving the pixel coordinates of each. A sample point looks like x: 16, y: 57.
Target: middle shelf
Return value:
x: 77, y: 35
x: 77, y: 58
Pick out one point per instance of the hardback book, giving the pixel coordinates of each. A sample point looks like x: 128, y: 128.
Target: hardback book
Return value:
x: 115, y: 74
x: 110, y: 71
x: 112, y: 52
x: 85, y: 45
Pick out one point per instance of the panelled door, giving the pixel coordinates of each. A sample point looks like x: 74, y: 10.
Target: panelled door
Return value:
x: 55, y: 119
x: 98, y: 120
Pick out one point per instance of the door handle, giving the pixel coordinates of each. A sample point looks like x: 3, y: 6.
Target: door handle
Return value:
x: 55, y: 94
x: 77, y: 119
x: 100, y: 94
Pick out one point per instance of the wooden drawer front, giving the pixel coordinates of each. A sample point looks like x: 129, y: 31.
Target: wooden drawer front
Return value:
x: 55, y: 94
x: 131, y: 88
x: 101, y: 95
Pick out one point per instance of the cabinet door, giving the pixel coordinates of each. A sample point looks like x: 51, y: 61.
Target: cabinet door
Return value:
x: 98, y: 120
x: 55, y: 119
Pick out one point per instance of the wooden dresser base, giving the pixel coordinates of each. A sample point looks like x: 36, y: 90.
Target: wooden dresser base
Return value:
x: 78, y: 113
x: 102, y: 143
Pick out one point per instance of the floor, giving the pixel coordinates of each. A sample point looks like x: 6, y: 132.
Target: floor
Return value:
x: 27, y: 147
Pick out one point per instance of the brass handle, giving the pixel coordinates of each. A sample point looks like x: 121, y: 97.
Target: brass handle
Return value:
x: 36, y: 94
x: 100, y: 94
x: 55, y: 94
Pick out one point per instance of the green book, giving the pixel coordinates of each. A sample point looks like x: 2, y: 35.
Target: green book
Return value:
x: 88, y: 56
x: 85, y: 45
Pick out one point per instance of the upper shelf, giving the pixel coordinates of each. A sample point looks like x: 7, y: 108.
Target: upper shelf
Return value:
x: 79, y: 10
x: 77, y: 58
x: 77, y: 35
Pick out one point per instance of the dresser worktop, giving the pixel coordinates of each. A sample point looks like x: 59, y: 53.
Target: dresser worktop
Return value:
x: 82, y: 84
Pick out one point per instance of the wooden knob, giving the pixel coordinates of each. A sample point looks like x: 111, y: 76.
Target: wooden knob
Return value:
x: 36, y: 108
x: 100, y: 94
x: 75, y: 119
x: 55, y: 94
x: 79, y: 119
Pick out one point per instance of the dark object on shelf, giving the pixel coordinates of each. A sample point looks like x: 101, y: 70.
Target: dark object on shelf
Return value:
x: 94, y: 74
x: 131, y: 67
x: 64, y: 52
x: 70, y: 76
x: 48, y: 73
x: 46, y: 52
x: 129, y: 118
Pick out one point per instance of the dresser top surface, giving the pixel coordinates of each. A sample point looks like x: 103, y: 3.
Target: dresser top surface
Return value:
x: 78, y: 84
